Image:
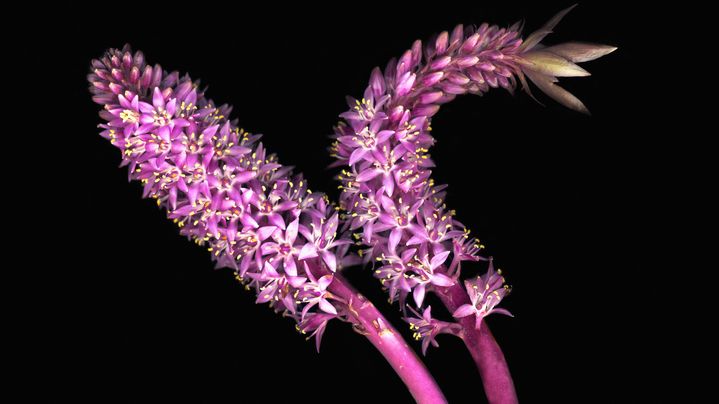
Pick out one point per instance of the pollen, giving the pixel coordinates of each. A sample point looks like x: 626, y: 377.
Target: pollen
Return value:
x: 129, y: 115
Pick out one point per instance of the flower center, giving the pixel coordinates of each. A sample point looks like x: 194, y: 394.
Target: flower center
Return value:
x: 198, y: 174
x: 129, y: 115
x: 365, y: 109
x: 171, y: 176
x: 285, y: 249
x: 368, y: 140
x: 161, y: 118
x: 266, y: 207
x: 164, y: 145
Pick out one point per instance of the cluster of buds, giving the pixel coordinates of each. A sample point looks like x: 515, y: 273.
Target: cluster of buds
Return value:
x: 391, y: 202
x: 222, y: 187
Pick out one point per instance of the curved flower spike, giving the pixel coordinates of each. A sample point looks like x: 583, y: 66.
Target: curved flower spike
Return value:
x: 387, y: 190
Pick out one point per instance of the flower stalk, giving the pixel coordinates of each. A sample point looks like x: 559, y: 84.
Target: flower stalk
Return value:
x: 390, y: 344
x: 484, y: 349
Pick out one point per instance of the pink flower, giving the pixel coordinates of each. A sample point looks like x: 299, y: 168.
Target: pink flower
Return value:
x: 485, y: 292
x: 427, y: 328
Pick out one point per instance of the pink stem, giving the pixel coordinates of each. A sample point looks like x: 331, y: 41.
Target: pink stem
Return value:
x: 389, y: 343
x: 487, y: 355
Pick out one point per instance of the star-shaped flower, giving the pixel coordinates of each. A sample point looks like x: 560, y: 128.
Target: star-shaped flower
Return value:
x: 485, y: 292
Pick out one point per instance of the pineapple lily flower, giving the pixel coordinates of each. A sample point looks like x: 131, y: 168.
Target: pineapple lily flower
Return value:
x: 485, y: 292
x: 427, y: 328
x: 321, y: 240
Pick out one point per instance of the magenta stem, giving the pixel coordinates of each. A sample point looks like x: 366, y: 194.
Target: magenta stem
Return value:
x: 389, y: 343
x: 485, y: 351
x: 487, y: 355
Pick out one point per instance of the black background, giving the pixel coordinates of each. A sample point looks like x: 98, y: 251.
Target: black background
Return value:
x: 137, y: 314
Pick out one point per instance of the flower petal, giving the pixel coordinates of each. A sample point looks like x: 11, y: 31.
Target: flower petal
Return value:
x: 157, y: 99
x: 277, y: 220
x: 291, y: 233
x: 388, y: 184
x: 357, y: 155
x: 464, y: 311
x: 442, y: 280
x: 308, y: 251
x: 327, y: 307
x: 500, y: 310
x: 418, y: 294
x: 394, y: 238
x: 290, y: 266
x: 438, y: 260
x: 325, y: 281
x: 368, y: 174
x: 245, y: 176
x: 265, y: 231
x: 329, y: 259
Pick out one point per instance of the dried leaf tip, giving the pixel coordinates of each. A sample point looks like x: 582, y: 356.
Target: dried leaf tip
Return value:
x: 579, y: 52
x: 542, y: 65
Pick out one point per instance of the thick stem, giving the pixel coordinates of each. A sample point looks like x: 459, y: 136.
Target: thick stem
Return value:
x: 487, y: 355
x: 389, y: 343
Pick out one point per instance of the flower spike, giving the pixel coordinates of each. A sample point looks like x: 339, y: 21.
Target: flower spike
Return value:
x: 227, y: 193
x: 399, y: 214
